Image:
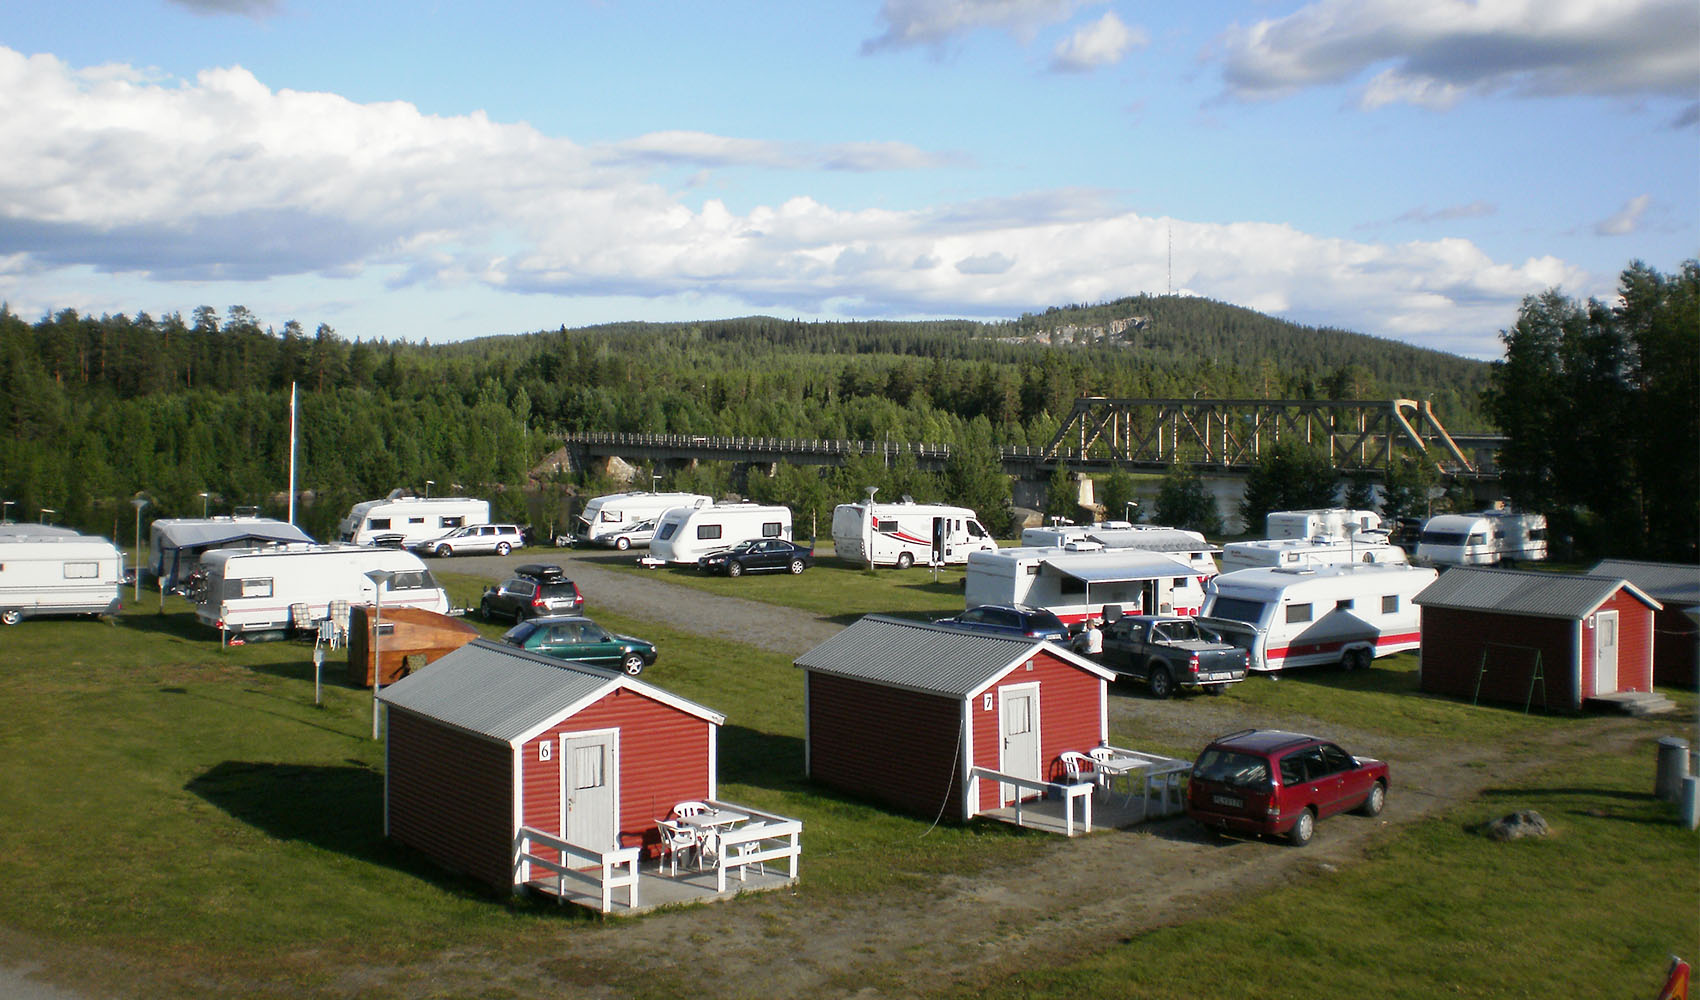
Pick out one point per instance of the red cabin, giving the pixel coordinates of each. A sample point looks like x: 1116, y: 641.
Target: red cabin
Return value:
x: 1676, y: 639
x: 487, y: 739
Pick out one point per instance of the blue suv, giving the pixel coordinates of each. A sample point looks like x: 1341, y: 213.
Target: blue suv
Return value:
x: 1011, y: 619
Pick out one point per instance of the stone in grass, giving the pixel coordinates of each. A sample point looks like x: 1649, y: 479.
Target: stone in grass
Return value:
x: 1522, y: 823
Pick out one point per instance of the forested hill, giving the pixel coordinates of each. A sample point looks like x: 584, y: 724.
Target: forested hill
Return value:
x: 96, y: 409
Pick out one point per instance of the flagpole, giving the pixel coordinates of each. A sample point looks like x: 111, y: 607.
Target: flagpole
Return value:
x: 292, y: 453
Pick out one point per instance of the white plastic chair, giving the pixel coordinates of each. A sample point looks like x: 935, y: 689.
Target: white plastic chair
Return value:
x: 1102, y: 755
x: 706, y: 844
x: 675, y: 838
x: 745, y: 850
x: 1081, y: 769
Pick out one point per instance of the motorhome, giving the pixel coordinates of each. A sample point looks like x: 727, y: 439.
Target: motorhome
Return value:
x: 903, y: 534
x: 1295, y: 617
x: 1485, y: 538
x: 609, y: 520
x: 685, y: 534
x: 397, y: 521
x: 1178, y: 542
x: 176, y: 544
x: 58, y: 574
x: 1333, y: 522
x: 268, y: 589
x: 1076, y: 585
x: 1298, y: 553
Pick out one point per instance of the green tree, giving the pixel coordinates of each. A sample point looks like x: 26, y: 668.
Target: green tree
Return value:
x: 974, y: 478
x: 1116, y: 494
x: 1290, y: 476
x: 1062, y: 496
x: 1184, y: 501
x: 1405, y: 493
x: 1360, y: 490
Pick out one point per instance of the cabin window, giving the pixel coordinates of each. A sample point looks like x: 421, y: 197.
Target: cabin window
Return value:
x: 1345, y: 605
x: 415, y: 520
x: 81, y: 570
x: 413, y: 580
x: 1537, y: 534
x: 590, y: 767
x: 975, y: 530
x: 885, y: 525
x: 611, y: 517
x: 256, y: 587
x: 708, y: 531
x: 1477, y: 538
x: 1033, y: 570
x: 379, y: 524
x: 1298, y: 613
x: 1390, y: 604
x: 667, y: 530
x: 454, y: 521
x: 1181, y: 582
x: 771, y: 529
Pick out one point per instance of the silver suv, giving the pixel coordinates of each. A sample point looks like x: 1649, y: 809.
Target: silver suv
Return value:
x: 474, y: 539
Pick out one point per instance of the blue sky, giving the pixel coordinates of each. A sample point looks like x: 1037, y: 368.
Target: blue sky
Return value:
x: 438, y: 171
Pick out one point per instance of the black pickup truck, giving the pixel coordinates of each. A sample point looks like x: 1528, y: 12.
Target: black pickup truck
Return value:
x: 1166, y: 651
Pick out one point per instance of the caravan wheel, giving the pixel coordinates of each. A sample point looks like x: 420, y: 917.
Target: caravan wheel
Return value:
x: 905, y: 560
x: 11, y: 616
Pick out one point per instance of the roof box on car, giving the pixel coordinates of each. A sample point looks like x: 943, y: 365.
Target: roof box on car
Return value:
x: 538, y: 571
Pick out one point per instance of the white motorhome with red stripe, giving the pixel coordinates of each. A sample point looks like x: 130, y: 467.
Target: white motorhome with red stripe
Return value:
x: 903, y: 534
x: 1297, y: 617
x: 1076, y: 586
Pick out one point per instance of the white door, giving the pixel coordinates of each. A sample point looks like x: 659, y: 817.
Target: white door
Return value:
x: 589, y: 792
x: 1605, y: 652
x: 1018, y: 708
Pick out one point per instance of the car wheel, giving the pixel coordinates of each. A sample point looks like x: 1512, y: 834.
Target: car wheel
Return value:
x: 904, y: 560
x: 734, y: 569
x: 444, y: 551
x: 1162, y: 684
x: 503, y: 548
x: 1373, y: 802
x: 11, y: 616
x: 796, y: 567
x: 1304, y: 829
x: 484, y: 611
x: 622, y: 543
x: 632, y: 664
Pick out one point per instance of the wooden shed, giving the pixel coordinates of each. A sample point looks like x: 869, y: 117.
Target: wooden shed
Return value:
x: 1552, y: 640
x: 413, y: 637
x: 492, y: 738
x: 900, y: 712
x: 1676, y: 639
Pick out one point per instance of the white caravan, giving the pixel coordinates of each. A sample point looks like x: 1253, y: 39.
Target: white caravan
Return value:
x: 56, y: 574
x: 1177, y: 542
x: 1332, y: 522
x: 609, y: 520
x: 903, y: 534
x: 1076, y: 586
x: 1299, y: 553
x: 253, y: 590
x: 1348, y: 614
x: 1485, y: 538
x: 399, y: 521
x: 686, y: 534
x: 176, y: 544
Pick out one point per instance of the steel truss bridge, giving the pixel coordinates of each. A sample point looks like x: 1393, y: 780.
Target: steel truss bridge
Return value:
x: 1218, y: 436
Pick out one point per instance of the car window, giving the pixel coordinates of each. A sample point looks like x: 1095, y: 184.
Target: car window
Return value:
x: 1336, y: 759
x: 1310, y: 759
x: 973, y: 616
x: 593, y: 633
x: 558, y: 590
x: 998, y: 616
x: 1293, y: 769
x: 1231, y: 768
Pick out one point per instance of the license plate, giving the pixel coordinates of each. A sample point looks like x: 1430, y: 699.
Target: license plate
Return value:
x: 1227, y: 800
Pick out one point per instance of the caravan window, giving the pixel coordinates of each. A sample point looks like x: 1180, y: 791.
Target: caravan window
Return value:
x: 974, y: 530
x: 453, y: 521
x: 81, y: 570
x: 413, y: 580
x: 255, y: 587
x: 611, y: 516
x: 1345, y: 605
x: 708, y: 531
x: 379, y: 524
x: 1298, y: 613
x: 667, y: 530
x: 1239, y: 609
x: 415, y: 520
x: 1390, y: 604
x: 771, y: 529
x: 885, y: 525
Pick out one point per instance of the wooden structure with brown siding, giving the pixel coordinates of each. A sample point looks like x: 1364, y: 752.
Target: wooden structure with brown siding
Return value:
x: 1535, y: 639
x: 486, y: 740
x: 412, y: 638
x: 899, y: 711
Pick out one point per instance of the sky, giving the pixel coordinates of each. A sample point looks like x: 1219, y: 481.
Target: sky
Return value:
x: 436, y: 171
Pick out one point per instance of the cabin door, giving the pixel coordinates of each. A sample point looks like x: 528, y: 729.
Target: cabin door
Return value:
x: 590, y: 788
x: 1019, y: 724
x: 1605, y: 652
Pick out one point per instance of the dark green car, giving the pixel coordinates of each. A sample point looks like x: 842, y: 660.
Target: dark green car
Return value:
x: 569, y: 637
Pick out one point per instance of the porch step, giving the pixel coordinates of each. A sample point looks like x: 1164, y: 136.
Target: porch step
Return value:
x: 1633, y: 703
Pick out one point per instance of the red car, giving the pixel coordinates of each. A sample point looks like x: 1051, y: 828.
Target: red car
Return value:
x: 1269, y: 781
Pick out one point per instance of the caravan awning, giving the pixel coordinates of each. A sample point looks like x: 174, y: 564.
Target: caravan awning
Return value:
x: 1118, y: 566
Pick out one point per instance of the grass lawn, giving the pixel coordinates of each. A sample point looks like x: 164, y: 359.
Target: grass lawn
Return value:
x: 189, y: 808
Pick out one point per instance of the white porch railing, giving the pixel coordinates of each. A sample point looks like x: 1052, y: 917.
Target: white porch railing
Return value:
x: 1161, y: 777
x: 765, y: 837
x: 1082, y: 792
x: 603, y: 863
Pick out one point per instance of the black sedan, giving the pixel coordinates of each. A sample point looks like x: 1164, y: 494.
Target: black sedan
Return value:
x: 759, y: 555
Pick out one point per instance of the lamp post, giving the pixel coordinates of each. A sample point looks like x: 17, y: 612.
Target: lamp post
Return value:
x: 4, y: 506
x: 1127, y: 509
x: 428, y: 484
x: 46, y: 511
x: 655, y: 482
x: 380, y: 579
x: 205, y: 498
x: 139, y: 503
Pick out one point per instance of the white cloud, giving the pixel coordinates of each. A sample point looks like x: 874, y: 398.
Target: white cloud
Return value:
x: 704, y: 149
x: 246, y: 8
x: 1435, y: 52
x: 931, y: 23
x: 176, y: 184
x: 1101, y: 43
x: 1626, y: 220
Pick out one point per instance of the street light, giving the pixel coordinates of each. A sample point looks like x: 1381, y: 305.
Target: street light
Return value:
x: 428, y: 484
x: 1127, y: 509
x: 204, y: 500
x: 46, y: 511
x: 655, y: 482
x: 139, y: 503
x: 380, y: 579
x: 4, y: 504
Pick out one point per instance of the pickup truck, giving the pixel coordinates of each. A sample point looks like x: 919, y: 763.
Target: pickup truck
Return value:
x: 1166, y: 651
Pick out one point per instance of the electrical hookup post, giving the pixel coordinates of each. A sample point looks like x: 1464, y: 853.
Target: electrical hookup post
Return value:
x: 938, y: 546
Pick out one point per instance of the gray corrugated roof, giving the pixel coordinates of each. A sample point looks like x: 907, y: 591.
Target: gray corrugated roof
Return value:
x: 1676, y: 583
x: 918, y: 656
x: 506, y: 693
x: 189, y: 533
x: 1543, y: 595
